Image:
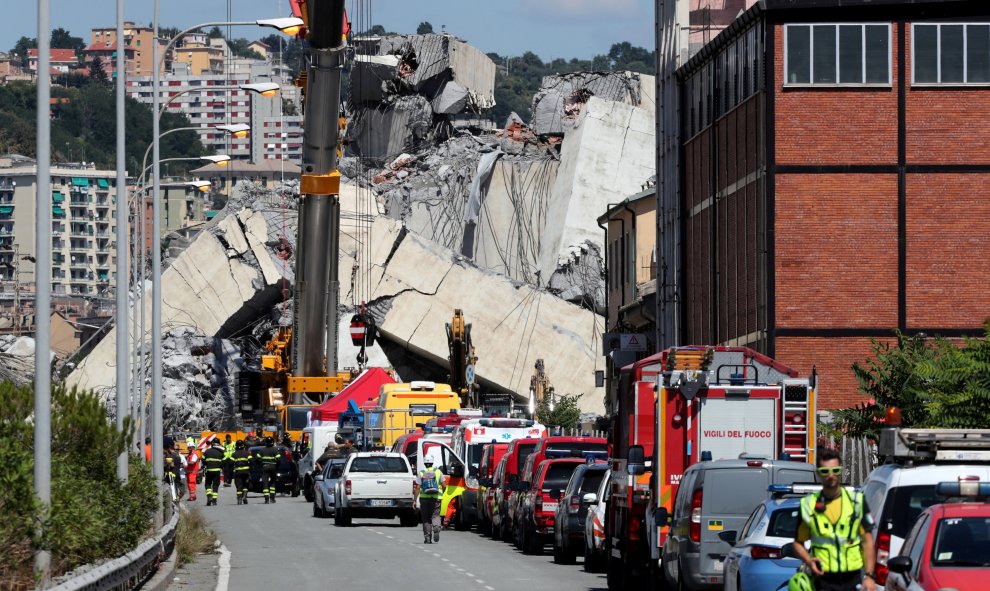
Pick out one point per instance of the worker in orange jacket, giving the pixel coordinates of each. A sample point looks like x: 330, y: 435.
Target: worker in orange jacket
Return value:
x: 192, y: 468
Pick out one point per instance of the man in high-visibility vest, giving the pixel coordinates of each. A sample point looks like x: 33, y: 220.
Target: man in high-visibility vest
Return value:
x: 228, y: 461
x: 838, y: 523
x: 213, y: 460
x: 428, y: 490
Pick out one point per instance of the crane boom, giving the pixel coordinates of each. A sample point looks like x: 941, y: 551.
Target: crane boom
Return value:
x: 314, y: 335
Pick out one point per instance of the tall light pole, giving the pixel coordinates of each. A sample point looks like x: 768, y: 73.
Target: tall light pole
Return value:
x: 289, y: 26
x: 123, y: 381
x: 43, y: 286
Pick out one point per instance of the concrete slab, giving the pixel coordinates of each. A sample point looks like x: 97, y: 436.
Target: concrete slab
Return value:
x: 561, y: 98
x: 607, y: 156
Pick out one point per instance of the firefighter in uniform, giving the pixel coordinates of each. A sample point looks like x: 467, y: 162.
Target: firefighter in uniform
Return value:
x: 269, y: 456
x: 428, y: 491
x: 213, y: 461
x: 228, y: 462
x: 242, y: 467
x: 838, y: 523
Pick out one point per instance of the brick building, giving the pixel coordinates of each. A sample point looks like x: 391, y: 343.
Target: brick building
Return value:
x: 832, y: 157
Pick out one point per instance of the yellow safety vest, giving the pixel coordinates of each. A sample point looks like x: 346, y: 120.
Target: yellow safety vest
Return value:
x: 838, y: 545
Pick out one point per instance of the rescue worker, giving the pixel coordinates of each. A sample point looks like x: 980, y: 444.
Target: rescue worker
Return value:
x: 213, y: 461
x: 838, y: 523
x: 269, y: 456
x: 242, y: 470
x: 228, y: 461
x: 173, y: 465
x: 192, y: 467
x: 147, y: 449
x: 428, y: 491
x: 348, y: 448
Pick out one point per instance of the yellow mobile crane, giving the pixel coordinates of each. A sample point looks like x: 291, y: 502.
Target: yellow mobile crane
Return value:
x: 462, y: 360
x: 299, y: 370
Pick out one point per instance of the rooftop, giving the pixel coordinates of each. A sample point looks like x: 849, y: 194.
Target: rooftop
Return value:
x: 246, y: 167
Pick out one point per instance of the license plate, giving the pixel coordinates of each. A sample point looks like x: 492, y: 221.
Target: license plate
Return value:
x: 719, y: 566
x: 381, y: 502
x: 549, y: 507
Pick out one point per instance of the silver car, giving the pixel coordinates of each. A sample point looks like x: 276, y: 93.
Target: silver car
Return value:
x: 594, y: 529
x: 324, y: 486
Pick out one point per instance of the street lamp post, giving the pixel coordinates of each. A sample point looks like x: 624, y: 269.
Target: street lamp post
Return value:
x: 289, y: 26
x: 123, y: 385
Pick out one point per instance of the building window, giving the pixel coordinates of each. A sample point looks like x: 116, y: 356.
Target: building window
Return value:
x: 837, y: 54
x: 951, y: 53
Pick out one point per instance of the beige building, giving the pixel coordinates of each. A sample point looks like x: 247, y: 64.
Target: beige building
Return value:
x: 83, y: 223
x: 138, y: 49
x: 65, y: 335
x: 201, y: 59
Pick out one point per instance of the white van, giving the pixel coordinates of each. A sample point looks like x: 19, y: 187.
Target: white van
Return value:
x: 314, y: 441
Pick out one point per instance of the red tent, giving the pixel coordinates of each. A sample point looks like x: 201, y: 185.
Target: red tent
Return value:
x: 364, y: 389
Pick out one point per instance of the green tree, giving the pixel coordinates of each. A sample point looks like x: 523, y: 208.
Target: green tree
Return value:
x: 96, y: 71
x: 22, y: 46
x: 424, y: 28
x: 934, y: 382
x: 215, y: 33
x: 62, y: 39
x: 565, y: 414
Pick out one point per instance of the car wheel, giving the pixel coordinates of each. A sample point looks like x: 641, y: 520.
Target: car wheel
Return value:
x: 562, y: 554
x: 461, y: 522
x: 533, y: 544
x: 341, y: 518
x: 614, y: 575
x: 309, y: 490
x: 295, y: 488
x: 496, y: 531
x: 317, y: 512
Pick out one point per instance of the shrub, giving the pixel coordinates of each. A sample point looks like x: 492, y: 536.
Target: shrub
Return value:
x: 92, y: 515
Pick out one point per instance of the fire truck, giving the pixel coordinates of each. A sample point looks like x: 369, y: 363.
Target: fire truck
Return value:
x: 681, y: 406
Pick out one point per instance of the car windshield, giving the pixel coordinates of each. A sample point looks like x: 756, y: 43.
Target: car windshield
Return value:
x: 474, y: 454
x: 592, y: 480
x: 558, y: 475
x: 524, y: 453
x: 378, y: 464
x: 962, y: 541
x: 904, y: 505
x: 784, y: 523
x: 298, y: 417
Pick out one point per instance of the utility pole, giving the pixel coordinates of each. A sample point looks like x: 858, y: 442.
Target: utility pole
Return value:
x: 17, y: 291
x: 43, y: 286
x: 123, y: 384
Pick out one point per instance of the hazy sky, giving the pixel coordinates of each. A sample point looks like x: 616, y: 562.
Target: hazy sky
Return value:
x: 550, y: 28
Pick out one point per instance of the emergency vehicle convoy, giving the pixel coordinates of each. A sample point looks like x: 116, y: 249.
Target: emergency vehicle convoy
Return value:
x: 682, y: 406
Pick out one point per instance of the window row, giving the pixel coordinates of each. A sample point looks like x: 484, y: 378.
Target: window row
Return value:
x: 860, y: 54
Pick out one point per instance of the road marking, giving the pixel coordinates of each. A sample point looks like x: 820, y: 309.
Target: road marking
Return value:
x: 390, y: 537
x: 479, y: 581
x: 468, y: 575
x: 445, y: 559
x: 489, y: 588
x: 223, y: 576
x: 437, y: 555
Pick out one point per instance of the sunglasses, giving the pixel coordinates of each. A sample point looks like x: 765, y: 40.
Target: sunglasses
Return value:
x: 826, y: 470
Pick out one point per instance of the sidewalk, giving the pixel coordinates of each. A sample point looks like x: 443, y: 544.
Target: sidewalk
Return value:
x: 200, y: 574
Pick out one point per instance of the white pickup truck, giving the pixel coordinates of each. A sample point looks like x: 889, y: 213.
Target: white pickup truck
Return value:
x: 375, y: 484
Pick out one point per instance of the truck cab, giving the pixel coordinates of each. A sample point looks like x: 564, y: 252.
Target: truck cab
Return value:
x: 401, y: 406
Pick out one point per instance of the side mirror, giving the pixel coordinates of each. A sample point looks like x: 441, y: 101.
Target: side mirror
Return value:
x: 589, y: 498
x: 555, y: 493
x: 473, y: 471
x: 661, y: 517
x: 318, y: 478
x: 636, y: 462
x: 456, y: 470
x: 900, y: 564
x: 729, y: 537
x: 787, y: 551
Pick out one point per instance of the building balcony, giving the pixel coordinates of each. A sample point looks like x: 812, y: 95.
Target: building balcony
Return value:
x: 7, y: 185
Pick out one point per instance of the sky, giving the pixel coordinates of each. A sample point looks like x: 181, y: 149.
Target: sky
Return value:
x: 549, y: 28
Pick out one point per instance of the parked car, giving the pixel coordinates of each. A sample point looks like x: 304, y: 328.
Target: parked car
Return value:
x: 375, y: 484
x: 594, y: 528
x: 949, y: 545
x: 713, y: 497
x: 539, y: 501
x: 757, y: 561
x: 515, y: 460
x: 286, y: 472
x: 324, y: 487
x: 897, y: 495
x: 572, y: 509
x: 491, y: 456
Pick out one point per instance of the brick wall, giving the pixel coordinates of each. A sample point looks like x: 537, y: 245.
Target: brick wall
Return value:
x: 833, y: 358
x: 834, y: 125
x: 836, y: 250
x: 948, y: 250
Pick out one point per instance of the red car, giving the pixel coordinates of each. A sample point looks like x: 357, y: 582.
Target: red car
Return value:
x: 949, y: 544
x: 491, y: 456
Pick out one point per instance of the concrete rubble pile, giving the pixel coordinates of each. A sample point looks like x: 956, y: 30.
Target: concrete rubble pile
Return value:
x: 562, y: 97
x: 407, y: 92
x: 17, y: 359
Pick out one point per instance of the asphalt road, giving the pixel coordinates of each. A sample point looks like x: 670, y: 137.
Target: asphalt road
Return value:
x: 283, y: 547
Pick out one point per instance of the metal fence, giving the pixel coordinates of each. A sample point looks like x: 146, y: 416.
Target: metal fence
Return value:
x: 130, y: 570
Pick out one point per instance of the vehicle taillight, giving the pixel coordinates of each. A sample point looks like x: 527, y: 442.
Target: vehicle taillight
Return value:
x: 634, y: 525
x: 883, y: 553
x: 695, y: 527
x: 347, y: 487
x: 538, y: 501
x: 758, y: 552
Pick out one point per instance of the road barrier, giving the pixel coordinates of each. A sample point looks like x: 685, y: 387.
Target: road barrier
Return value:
x: 130, y: 570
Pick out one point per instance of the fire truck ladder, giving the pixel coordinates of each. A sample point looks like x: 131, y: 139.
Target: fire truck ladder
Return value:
x: 797, y: 420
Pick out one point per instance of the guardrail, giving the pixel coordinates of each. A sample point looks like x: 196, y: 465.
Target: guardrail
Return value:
x: 130, y: 570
